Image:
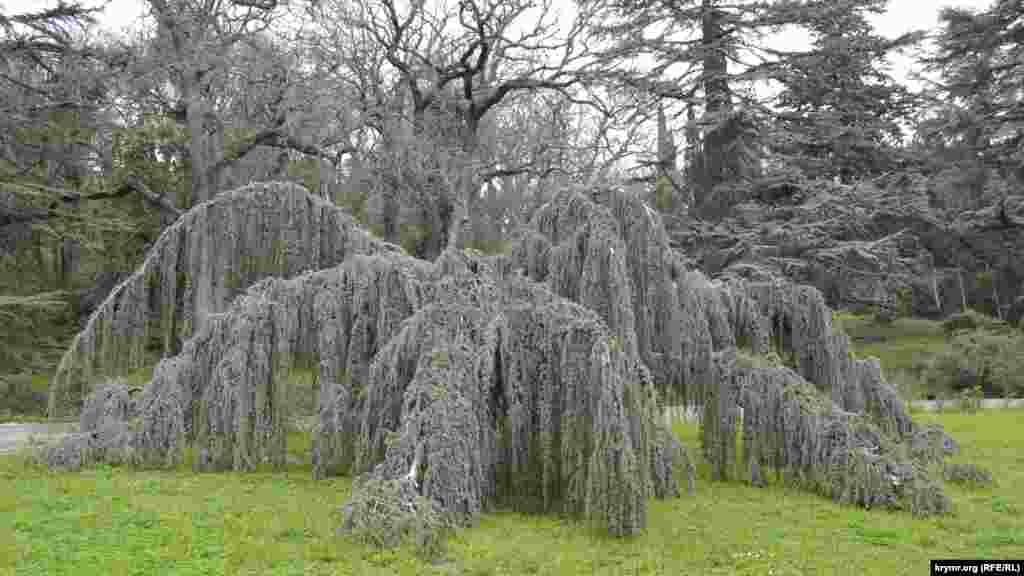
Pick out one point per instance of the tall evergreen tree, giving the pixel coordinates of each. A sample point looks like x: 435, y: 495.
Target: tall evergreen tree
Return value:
x: 978, y: 120
x: 839, y: 113
x: 697, y: 50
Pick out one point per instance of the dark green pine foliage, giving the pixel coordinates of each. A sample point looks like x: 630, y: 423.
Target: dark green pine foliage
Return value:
x: 839, y: 112
x: 694, y: 46
x: 977, y: 120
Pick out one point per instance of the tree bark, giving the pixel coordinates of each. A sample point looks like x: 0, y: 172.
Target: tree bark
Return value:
x: 460, y: 229
x: 716, y: 100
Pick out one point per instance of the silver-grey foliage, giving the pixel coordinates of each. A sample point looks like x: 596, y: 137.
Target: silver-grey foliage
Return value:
x: 482, y: 388
x: 261, y: 230
x: 788, y: 426
x: 106, y: 432
x: 497, y: 392
x: 391, y: 512
x: 530, y: 381
x: 969, y: 474
x: 687, y: 329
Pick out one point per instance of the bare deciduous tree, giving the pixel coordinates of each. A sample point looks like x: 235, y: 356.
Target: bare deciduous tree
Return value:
x: 452, y: 66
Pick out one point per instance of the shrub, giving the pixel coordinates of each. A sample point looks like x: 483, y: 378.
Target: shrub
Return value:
x: 967, y: 474
x: 885, y: 313
x: 390, y: 512
x: 907, y: 381
x: 970, y: 399
x: 905, y: 302
x: 991, y: 361
x: 984, y: 283
x: 664, y: 197
x: 108, y: 427
x: 972, y: 320
x: 19, y: 396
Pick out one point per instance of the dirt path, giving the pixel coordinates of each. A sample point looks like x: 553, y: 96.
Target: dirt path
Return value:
x: 14, y: 435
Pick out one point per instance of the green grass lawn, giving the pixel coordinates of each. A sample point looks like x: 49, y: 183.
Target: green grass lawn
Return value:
x: 118, y: 521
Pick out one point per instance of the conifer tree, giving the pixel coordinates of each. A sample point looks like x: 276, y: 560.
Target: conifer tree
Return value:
x: 839, y: 113
x: 977, y: 120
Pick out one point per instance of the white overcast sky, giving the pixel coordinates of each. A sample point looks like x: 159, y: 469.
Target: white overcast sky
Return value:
x: 902, y: 16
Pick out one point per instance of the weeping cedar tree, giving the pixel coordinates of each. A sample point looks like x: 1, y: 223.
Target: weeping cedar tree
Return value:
x: 531, y: 380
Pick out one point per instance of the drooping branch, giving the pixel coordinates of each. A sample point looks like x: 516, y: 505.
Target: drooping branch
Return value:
x: 135, y: 184
x: 275, y: 137
x: 131, y: 184
x: 249, y: 233
x: 608, y: 251
x: 688, y: 329
x: 477, y: 392
x: 677, y: 317
x: 789, y: 427
x: 525, y: 380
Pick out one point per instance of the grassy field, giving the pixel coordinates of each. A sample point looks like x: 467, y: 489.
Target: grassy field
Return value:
x: 116, y: 521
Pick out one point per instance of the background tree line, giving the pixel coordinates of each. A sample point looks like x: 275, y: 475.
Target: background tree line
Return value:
x: 451, y: 123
